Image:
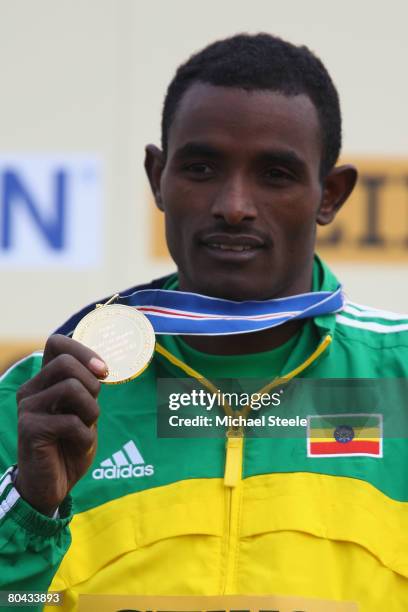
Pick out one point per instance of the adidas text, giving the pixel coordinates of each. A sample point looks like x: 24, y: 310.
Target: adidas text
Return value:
x: 127, y: 462
x: 127, y: 471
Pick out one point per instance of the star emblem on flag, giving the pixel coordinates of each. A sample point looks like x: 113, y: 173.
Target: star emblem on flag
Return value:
x: 344, y: 434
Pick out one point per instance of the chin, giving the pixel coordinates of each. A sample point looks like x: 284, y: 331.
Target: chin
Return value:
x: 235, y: 291
x: 233, y: 283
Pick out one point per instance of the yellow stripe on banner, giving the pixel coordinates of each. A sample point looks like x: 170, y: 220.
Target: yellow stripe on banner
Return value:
x: 184, y: 603
x: 11, y: 352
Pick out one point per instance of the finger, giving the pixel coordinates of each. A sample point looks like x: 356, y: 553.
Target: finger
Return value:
x: 66, y: 397
x: 35, y: 431
x: 59, y: 369
x: 58, y: 345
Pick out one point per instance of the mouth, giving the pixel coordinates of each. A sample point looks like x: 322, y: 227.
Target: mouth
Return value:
x: 232, y: 246
x: 237, y: 248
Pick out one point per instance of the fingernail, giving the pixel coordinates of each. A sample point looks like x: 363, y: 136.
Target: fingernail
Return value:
x: 99, y: 367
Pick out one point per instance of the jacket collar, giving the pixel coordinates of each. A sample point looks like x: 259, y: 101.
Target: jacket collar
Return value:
x: 324, y: 280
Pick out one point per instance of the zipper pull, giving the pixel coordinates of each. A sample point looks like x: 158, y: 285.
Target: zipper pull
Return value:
x: 233, y: 459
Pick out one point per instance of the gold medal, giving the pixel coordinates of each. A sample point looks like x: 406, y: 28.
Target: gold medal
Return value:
x: 122, y: 336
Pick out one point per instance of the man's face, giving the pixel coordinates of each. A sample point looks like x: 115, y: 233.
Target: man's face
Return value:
x: 240, y: 190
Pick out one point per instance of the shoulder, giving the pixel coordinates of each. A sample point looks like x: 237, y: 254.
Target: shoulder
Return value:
x: 22, y: 370
x: 372, y: 326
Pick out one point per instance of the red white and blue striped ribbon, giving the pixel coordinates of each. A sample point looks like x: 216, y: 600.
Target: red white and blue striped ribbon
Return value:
x: 178, y: 312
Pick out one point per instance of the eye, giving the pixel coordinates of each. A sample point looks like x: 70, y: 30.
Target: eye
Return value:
x: 278, y: 175
x: 199, y: 169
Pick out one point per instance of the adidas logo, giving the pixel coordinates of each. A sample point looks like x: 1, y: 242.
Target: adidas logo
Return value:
x: 126, y: 463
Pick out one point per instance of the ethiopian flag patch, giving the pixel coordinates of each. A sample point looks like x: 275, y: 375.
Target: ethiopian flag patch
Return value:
x: 344, y: 435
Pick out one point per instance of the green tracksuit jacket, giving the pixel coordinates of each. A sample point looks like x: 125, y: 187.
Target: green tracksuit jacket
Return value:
x: 243, y: 516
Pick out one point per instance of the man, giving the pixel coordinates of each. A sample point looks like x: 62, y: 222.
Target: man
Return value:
x: 251, y: 135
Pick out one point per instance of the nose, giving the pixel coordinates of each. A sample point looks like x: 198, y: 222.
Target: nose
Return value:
x: 234, y: 202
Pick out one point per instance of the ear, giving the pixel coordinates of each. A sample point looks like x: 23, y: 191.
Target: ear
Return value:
x: 154, y: 164
x: 337, y: 186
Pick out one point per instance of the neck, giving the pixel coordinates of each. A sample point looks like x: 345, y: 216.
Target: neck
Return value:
x: 255, y: 342
x: 243, y: 344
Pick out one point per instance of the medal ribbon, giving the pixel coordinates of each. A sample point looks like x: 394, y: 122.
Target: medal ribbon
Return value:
x: 178, y: 312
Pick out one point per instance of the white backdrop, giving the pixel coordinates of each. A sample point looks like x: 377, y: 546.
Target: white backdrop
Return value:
x: 89, y: 76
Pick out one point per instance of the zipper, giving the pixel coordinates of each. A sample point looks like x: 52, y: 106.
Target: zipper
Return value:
x: 233, y: 457
x: 233, y: 500
x: 233, y: 485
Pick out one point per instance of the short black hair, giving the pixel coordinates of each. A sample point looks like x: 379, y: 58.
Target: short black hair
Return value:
x: 264, y: 62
